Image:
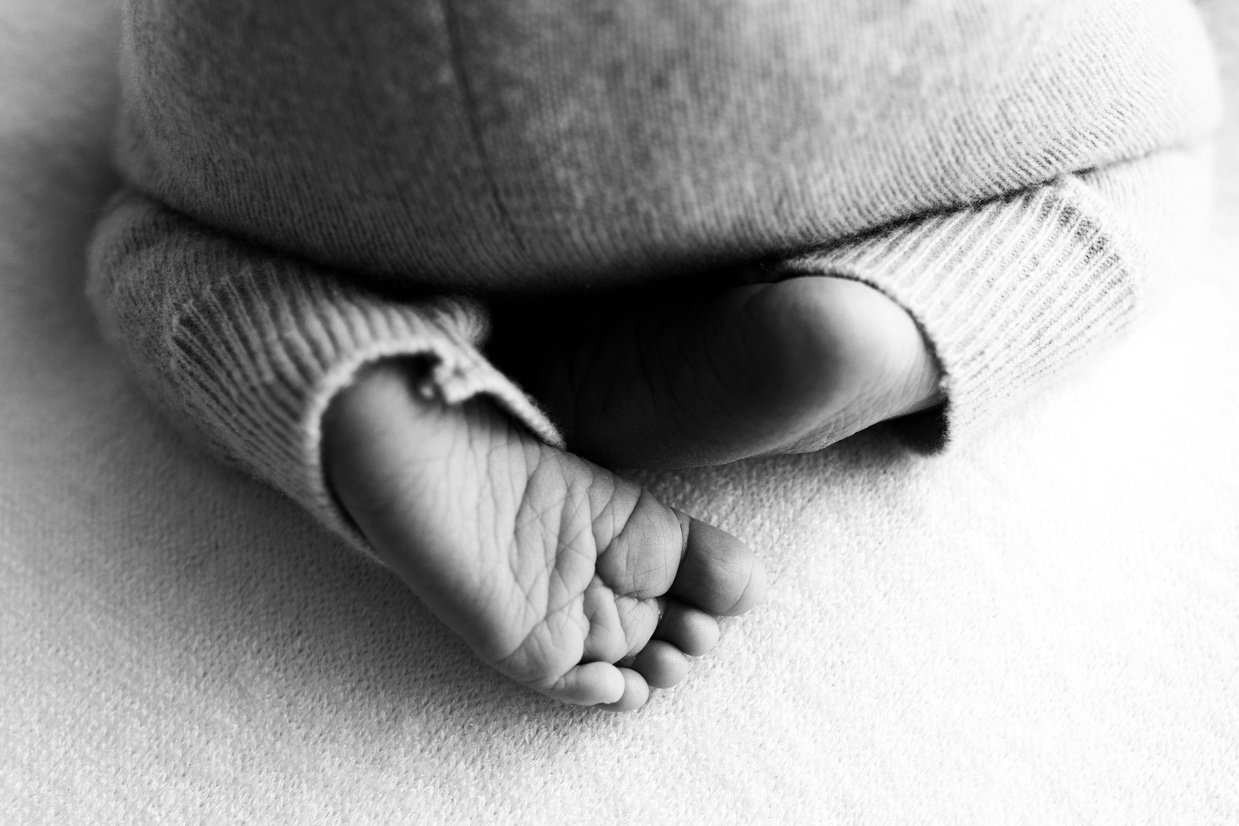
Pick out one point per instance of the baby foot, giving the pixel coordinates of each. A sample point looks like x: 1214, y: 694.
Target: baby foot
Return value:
x: 562, y: 576
x: 685, y: 378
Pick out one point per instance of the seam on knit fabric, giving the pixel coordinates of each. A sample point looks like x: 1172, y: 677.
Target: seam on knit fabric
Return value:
x: 164, y: 223
x: 1117, y: 231
x: 455, y: 41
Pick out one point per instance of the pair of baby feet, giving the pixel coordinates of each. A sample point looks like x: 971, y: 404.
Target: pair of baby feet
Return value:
x: 560, y: 574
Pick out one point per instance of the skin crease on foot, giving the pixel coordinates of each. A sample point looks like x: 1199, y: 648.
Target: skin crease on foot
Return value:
x: 558, y: 573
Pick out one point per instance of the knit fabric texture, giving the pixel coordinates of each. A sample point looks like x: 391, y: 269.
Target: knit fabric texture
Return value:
x: 300, y: 176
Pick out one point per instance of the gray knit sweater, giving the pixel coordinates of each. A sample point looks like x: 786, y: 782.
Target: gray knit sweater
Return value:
x: 314, y: 184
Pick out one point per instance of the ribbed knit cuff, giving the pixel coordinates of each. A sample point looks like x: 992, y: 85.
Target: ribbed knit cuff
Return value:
x: 1007, y: 293
x: 260, y: 358
x: 246, y: 348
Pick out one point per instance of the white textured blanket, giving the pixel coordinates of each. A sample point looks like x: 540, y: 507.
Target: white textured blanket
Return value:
x: 1041, y: 626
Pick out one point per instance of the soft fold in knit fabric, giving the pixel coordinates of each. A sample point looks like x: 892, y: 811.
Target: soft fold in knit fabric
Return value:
x: 296, y: 171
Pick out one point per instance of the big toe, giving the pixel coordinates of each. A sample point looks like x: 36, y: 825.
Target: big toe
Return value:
x: 663, y: 551
x: 718, y: 573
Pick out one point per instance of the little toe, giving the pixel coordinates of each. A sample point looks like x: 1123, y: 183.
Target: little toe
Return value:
x: 689, y: 629
x: 661, y: 664
x: 636, y: 692
x: 718, y: 573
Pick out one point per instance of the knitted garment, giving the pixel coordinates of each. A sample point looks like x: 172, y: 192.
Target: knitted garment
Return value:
x: 296, y: 171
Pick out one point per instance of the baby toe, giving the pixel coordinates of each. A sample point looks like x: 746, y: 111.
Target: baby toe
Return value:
x: 718, y: 573
x: 642, y: 541
x: 661, y: 664
x: 590, y: 684
x: 619, y: 626
x: 636, y: 693
x: 689, y: 629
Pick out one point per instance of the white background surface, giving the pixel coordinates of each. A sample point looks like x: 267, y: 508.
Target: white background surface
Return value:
x: 1039, y: 627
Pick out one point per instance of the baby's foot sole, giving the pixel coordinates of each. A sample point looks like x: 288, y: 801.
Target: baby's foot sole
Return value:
x: 695, y: 379
x: 561, y: 575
